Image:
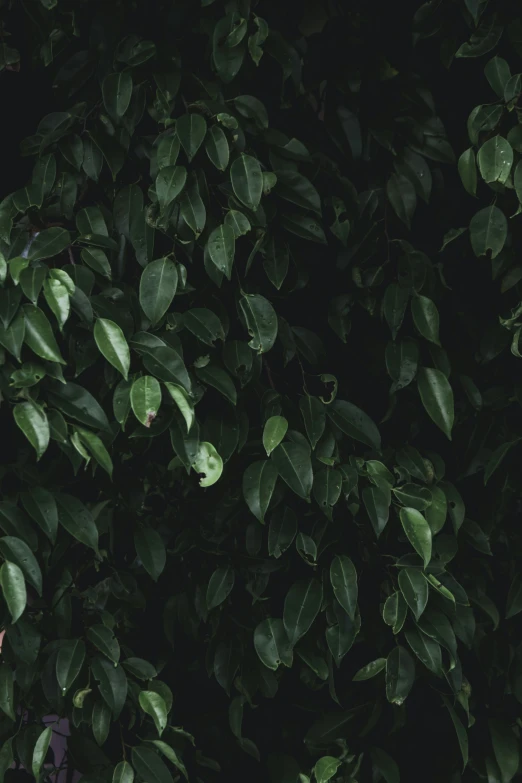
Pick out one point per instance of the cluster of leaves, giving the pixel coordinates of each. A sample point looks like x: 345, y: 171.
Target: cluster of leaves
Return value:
x: 222, y: 271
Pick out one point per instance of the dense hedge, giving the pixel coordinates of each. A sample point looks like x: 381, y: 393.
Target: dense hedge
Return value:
x: 260, y: 390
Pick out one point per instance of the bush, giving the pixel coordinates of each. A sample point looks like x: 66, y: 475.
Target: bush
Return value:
x: 260, y: 391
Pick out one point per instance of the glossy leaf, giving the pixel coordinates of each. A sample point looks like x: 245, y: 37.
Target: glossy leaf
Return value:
x: 12, y: 583
x: 437, y: 397
x: 158, y: 285
x: 302, y: 604
x: 272, y: 644
x: 418, y: 532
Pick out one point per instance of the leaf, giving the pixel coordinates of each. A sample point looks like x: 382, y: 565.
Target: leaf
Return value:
x: 495, y: 158
x: 145, y: 398
x: 437, y: 397
x: 293, y: 463
x: 191, y: 130
x: 282, y: 531
x: 57, y: 297
x: 385, y: 765
x: 460, y: 731
x: 78, y: 404
x: 273, y: 433
x: 400, y: 675
x: 216, y: 147
x: 394, y: 305
x: 496, y: 459
x: 302, y: 604
x: 33, y: 422
x: 40, y: 750
x: 101, y: 722
x: 488, y: 231
x: 96, y: 448
x: 354, y: 423
x: 192, y: 207
x: 468, y: 171
x: 39, y: 334
x: 151, y: 551
x: 377, y: 504
x: 49, y: 243
x: 13, y: 588
x: 169, y: 184
x: 171, y: 754
x: 272, y: 644
x: 161, y: 360
x: 238, y: 222
x: 418, y: 532
x: 305, y: 227
x: 208, y: 463
x: 218, y: 378
x: 154, y: 705
x: 261, y: 321
x: 222, y: 247
x: 506, y: 748
x: 314, y: 417
x: 69, y: 662
x: 514, y: 599
x: 498, y: 74
x: 370, y: 670
x: 149, y: 765
x: 247, y: 181
x: 297, y: 189
x: 6, y: 691
x: 112, y: 684
x: 117, y: 93
x: 17, y: 551
x: 158, y: 285
x: 220, y: 586
x: 204, y: 324
x: 112, y: 344
x: 259, y: 481
x: 325, y: 768
x: 105, y: 641
x: 123, y: 773
x: 401, y: 195
x: 426, y: 649
x: 77, y: 520
x: 414, y: 588
x: 343, y: 577
x: 426, y: 318
x: 184, y: 403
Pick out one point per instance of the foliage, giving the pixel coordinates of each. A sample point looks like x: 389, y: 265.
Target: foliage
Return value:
x: 260, y: 393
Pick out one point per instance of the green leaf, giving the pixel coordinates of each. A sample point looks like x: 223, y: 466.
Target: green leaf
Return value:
x: 460, y: 731
x: 377, y: 504
x: 49, y: 243
x: 112, y: 344
x: 40, y: 751
x: 426, y: 318
x: 272, y: 644
x: 13, y: 338
x: 57, y: 297
x: 354, y: 423
x: 305, y: 227
x: 112, y: 684
x: 12, y: 583
x: 506, y: 748
x: 218, y: 378
x: 496, y: 459
x: 39, y: 334
x: 415, y: 496
x: 436, y: 513
x: 259, y: 481
x: 238, y: 222
x: 171, y: 754
x: 261, y: 321
x: 325, y: 768
x: 293, y: 463
x: 123, y: 773
x: 414, y: 588
x: 426, y: 649
x: 33, y: 422
x: 343, y: 577
x: 208, y: 464
x: 69, y: 662
x: 495, y: 158
x: 370, y: 670
x: 192, y: 207
x: 151, y: 551
x: 394, y: 305
x: 117, y: 93
x: 273, y: 433
x: 105, y: 641
x: 77, y: 520
x: 282, y: 531
x: 204, y: 324
x: 32, y: 280
x: 468, y: 171
x: 418, y: 532
x: 314, y: 417
x: 142, y: 670
x: 154, y: 705
x: 220, y: 586
x: 169, y: 184
x: 149, y: 765
x: 101, y: 722
x: 184, y: 403
x: 96, y: 448
x: 17, y: 551
x: 297, y: 189
x: 158, y: 285
x: 497, y: 73
x: 145, y: 398
x: 161, y: 360
x: 191, y: 130
x: 488, y: 231
x: 401, y: 195
x: 78, y: 404
x: 400, y: 675
x: 247, y: 180
x: 514, y: 599
x: 437, y: 397
x: 6, y: 691
x: 216, y: 147
x: 222, y: 247
x: 302, y: 604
